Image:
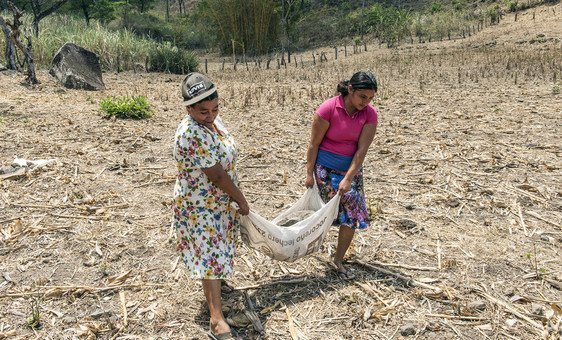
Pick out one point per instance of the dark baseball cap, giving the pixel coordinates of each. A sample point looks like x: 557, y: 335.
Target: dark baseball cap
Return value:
x: 196, y: 87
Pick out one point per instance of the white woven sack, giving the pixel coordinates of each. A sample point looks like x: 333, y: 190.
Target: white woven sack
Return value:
x: 294, y: 241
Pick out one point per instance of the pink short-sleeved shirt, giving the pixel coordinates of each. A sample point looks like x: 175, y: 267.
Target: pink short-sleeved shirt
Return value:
x: 344, y: 131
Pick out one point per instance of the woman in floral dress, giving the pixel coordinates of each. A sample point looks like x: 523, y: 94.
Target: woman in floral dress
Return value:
x: 206, y: 185
x: 342, y: 131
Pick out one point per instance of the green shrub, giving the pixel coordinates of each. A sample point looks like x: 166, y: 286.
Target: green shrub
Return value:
x: 126, y: 107
x: 147, y: 25
x: 167, y: 58
x: 494, y: 13
x: 512, y: 6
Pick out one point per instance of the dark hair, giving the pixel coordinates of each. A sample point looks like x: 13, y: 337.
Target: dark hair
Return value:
x: 362, y: 80
x: 212, y: 96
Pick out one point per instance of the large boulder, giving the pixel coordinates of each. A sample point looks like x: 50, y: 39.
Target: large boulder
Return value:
x: 77, y: 68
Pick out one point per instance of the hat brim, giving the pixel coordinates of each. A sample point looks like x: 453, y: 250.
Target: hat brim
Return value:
x: 200, y: 96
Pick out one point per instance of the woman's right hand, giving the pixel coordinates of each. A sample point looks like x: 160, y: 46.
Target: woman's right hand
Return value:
x: 243, y: 208
x: 309, y: 181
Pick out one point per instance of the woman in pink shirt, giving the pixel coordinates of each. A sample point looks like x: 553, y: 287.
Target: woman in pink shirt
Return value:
x: 342, y: 131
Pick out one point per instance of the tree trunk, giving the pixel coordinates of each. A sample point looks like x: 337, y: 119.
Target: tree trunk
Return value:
x: 9, y: 53
x: 31, y: 76
x: 27, y: 51
x: 363, y: 23
x: 181, y: 6
x: 84, y: 6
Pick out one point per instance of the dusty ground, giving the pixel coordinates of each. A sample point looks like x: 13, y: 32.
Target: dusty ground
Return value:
x: 463, y: 182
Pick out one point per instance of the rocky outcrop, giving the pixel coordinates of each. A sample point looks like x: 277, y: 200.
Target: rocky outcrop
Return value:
x: 77, y: 68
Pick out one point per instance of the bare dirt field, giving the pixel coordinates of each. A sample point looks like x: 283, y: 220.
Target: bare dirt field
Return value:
x: 463, y: 183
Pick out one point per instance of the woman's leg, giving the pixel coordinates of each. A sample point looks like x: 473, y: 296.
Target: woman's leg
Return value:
x: 344, y: 241
x: 212, y: 290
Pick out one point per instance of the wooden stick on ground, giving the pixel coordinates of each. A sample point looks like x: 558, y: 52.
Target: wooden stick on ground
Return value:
x: 251, y: 314
x: 511, y: 309
x: 521, y: 220
x: 407, y: 280
x: 64, y: 289
x: 458, y: 317
x: 439, y: 253
x: 537, y: 216
x: 265, y: 284
x: 292, y: 328
x: 124, y: 307
x: 404, y: 266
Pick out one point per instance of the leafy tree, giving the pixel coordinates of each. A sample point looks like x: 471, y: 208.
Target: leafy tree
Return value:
x: 83, y: 6
x: 142, y: 5
x: 388, y: 24
x: 105, y: 10
x: 38, y: 8
x: 290, y: 12
x: 42, y: 9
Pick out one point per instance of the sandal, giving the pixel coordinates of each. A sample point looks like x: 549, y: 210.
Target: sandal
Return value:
x: 342, y: 272
x: 345, y: 274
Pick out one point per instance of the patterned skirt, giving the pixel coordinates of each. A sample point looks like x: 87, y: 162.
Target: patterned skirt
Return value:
x: 353, y: 207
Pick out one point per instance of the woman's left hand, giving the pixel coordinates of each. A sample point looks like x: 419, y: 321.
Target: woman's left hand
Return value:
x: 345, y: 186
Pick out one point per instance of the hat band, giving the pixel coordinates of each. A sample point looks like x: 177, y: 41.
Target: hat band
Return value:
x: 200, y: 96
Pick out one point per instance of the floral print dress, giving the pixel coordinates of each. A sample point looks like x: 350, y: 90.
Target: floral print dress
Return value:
x: 353, y: 211
x: 205, y: 222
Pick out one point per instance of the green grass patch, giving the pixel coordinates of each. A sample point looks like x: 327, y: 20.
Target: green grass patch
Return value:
x: 167, y: 58
x: 126, y: 107
x: 117, y: 49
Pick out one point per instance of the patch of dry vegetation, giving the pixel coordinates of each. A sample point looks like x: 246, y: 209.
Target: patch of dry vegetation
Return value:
x: 463, y: 182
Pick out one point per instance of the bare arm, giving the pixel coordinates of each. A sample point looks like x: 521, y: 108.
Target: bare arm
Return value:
x: 319, y: 128
x: 221, y: 179
x: 365, y: 140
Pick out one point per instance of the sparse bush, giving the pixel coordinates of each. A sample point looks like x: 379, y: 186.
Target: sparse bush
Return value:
x: 171, y: 59
x: 126, y: 107
x: 556, y: 89
x: 34, y: 320
x: 435, y: 7
x: 494, y: 13
x: 512, y: 6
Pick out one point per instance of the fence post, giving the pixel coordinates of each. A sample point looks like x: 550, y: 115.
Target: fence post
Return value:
x: 206, y: 71
x: 336, y: 52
